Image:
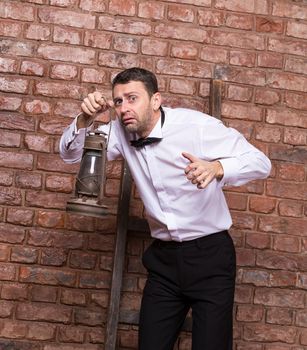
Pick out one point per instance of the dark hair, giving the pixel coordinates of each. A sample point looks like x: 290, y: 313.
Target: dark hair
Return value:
x: 137, y: 74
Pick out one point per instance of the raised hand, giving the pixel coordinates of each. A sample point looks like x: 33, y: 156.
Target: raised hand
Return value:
x: 201, y: 172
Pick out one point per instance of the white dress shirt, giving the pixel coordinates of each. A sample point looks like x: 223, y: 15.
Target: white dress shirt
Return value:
x: 176, y: 209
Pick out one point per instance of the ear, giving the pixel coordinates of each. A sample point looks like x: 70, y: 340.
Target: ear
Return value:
x: 156, y: 101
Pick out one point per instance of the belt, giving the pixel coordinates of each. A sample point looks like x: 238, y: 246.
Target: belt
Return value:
x: 193, y: 242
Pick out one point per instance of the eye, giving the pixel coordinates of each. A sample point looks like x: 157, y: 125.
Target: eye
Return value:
x: 132, y: 98
x: 118, y: 102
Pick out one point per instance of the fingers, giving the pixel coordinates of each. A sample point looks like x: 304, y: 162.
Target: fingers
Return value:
x: 95, y: 102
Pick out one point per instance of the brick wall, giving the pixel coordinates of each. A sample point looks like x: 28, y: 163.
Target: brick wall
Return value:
x: 55, y: 268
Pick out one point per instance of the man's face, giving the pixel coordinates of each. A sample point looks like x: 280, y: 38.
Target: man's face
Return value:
x: 136, y: 110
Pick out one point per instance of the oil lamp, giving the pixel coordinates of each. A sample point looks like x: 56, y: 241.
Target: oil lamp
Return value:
x: 89, y: 196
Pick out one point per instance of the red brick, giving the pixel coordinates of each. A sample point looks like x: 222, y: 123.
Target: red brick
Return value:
x: 69, y: 18
x: 262, y: 204
x: 97, y: 39
x: 10, y: 29
x: 14, y: 291
x: 239, y: 75
x: 295, y: 65
x: 283, y: 279
x: 13, y: 330
x: 67, y: 36
x: 41, y: 312
x: 89, y: 317
x: 41, y: 331
x: 243, y: 294
x: 73, y: 297
x: 8, y: 65
x: 287, y: 81
x: 52, y: 89
x: 53, y: 257
x: 6, y: 177
x: 211, y: 18
x: 256, y: 277
x: 71, y: 347
x: 236, y: 201
x: 37, y: 32
x: 124, y: 25
x: 10, y: 103
x: 290, y: 208
x: 268, y: 134
x: 10, y: 196
x: 279, y: 297
x: 64, y: 3
x: 125, y: 44
x: 49, y: 276
x: 287, y: 190
x: 297, y: 30
x: 180, y: 13
x: 245, y: 257
x: 71, y: 334
x: 11, y: 234
x: 83, y: 260
x: 28, y: 180
x: 72, y: 54
x: 7, y: 272
x: 48, y: 238
x: 151, y: 9
x: 284, y: 9
x: 15, y: 85
x: 119, y: 7
x: 285, y: 243
x: 17, y: 48
x: 301, y: 319
x: 59, y: 183
x: 239, y: 93
x: 37, y: 107
x: 249, y: 313
x: 128, y: 339
x: 258, y: 240
x: 45, y: 199
x: 288, y: 46
x: 196, y: 70
x: 182, y: 33
x: 80, y: 223
x: 295, y: 100
x: 295, y: 136
x: 291, y: 172
x: 279, y: 316
x: 43, y: 293
x: 50, y: 219
x: 270, y: 60
x: 95, y: 280
x: 240, y: 40
x: 184, y: 51
x: 285, y: 117
x: 18, y: 11
x: 242, y: 58
x: 63, y: 71
x: 184, y: 87
x: 40, y: 143
x: 4, y: 252
x: 282, y: 225
x: 268, y: 333
x: 67, y: 109
x: 9, y: 139
x: 269, y: 25
x: 100, y: 298
x: 24, y: 217
x: 267, y: 97
x: 92, y: 5
x: 117, y: 60
x: 237, y: 21
x: 213, y: 54
x: 23, y: 254
x: 241, y: 111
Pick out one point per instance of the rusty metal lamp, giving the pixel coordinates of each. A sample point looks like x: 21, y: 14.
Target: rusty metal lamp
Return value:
x: 89, y: 196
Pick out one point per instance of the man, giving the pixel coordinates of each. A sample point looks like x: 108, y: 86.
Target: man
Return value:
x: 180, y: 159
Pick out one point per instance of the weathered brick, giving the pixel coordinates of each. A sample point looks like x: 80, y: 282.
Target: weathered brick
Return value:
x: 239, y: 75
x: 37, y: 32
x: 70, y: 54
x: 126, y: 8
x: 92, y: 5
x: 67, y: 36
x: 13, y: 330
x: 279, y: 297
x: 239, y: 21
x: 269, y: 333
x: 24, y: 254
x: 10, y: 29
x: 296, y: 29
x: 63, y: 71
x: 43, y: 293
x: 53, y: 89
x: 268, y: 134
x: 239, y: 93
x: 125, y: 44
x: 286, y: 243
x: 249, y: 313
x: 10, y: 196
x: 295, y: 136
x: 72, y: 334
x: 40, y: 143
x: 211, y: 18
x: 45, y: 199
x: 241, y: 111
x: 17, y: 48
x: 151, y: 9
x: 117, y: 60
x: 8, y: 65
x: 279, y: 316
x: 16, y: 85
x: 286, y: 117
x: 18, y: 11
x: 7, y: 272
x: 240, y: 40
x: 69, y: 18
x: 80, y: 223
x: 236, y: 201
x: 41, y: 312
x: 269, y: 25
x: 290, y: 208
x: 287, y: 81
x: 96, y: 280
x: 64, y: 3
x: 287, y: 190
x: 82, y: 260
x: 59, y: 183
x: 242, y: 58
x: 184, y: 87
x: 182, y: 33
x: 92, y: 75
x: 185, y: 51
x: 14, y: 291
x: 6, y: 177
x: 295, y: 65
x: 270, y: 60
x: 287, y: 46
x: 262, y: 204
x: 123, y: 25
x: 55, y: 277
x: 53, y: 257
x: 67, y: 109
x: 73, y: 297
x: 258, y: 240
x: 200, y: 70
x: 24, y: 217
x: 37, y: 107
x: 245, y: 257
x: 296, y: 100
x: 212, y: 54
x: 49, y: 219
x: 267, y: 97
x: 37, y: 331
x: 9, y: 139
x: 180, y: 13
x: 97, y: 39
x: 10, y: 103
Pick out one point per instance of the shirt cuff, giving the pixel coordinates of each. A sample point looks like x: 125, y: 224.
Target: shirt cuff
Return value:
x: 231, y: 169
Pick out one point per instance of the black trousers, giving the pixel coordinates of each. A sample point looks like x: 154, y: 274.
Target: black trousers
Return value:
x: 198, y: 274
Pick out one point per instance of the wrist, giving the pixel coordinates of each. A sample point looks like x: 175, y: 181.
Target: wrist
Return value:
x: 220, y: 171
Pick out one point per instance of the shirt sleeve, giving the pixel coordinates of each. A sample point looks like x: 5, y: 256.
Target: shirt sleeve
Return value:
x: 72, y: 142
x: 241, y: 161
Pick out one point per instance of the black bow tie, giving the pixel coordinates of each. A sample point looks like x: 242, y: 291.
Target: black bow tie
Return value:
x: 144, y: 141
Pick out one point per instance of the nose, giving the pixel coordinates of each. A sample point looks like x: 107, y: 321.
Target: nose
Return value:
x: 124, y: 107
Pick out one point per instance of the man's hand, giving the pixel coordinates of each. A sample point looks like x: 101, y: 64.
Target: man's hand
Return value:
x: 201, y: 172
x: 93, y: 103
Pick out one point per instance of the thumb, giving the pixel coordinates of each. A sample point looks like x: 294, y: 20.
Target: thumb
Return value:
x: 190, y: 157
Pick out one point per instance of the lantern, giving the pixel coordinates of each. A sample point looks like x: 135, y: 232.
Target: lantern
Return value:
x: 89, y: 196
